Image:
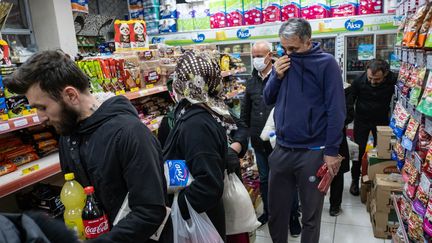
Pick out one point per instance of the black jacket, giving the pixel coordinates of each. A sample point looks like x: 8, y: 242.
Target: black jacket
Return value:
x: 344, y: 149
x: 202, y: 142
x: 118, y: 154
x: 372, y: 104
x: 254, y: 112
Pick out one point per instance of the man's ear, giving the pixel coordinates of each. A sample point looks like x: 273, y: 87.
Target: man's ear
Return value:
x: 71, y: 95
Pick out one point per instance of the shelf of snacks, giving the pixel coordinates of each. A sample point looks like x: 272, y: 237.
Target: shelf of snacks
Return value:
x: 19, y: 123
x: 233, y: 72
x: 29, y: 174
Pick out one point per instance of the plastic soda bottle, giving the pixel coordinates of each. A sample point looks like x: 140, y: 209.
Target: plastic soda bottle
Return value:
x: 73, y: 198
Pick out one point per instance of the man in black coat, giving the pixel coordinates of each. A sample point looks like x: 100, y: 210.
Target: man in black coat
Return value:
x: 371, y: 93
x: 104, y: 144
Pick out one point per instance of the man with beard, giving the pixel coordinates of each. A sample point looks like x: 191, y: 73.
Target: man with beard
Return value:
x: 104, y: 144
x: 372, y: 93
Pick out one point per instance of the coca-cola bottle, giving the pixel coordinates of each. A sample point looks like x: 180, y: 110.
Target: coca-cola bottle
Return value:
x: 94, y: 219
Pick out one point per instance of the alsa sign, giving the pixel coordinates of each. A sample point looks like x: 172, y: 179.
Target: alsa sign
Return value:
x: 354, y: 25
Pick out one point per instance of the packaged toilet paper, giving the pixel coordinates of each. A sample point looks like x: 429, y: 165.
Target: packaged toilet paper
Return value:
x: 168, y: 9
x: 315, y: 9
x: 234, y: 13
x: 217, y: 14
x: 185, y: 14
x: 252, y: 12
x: 290, y: 9
x: 202, y: 15
x: 177, y: 175
x: 167, y: 26
x: 271, y: 10
x: 370, y: 7
x: 342, y: 8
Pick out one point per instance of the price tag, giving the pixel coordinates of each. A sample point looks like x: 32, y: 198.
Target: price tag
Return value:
x: 411, y: 56
x: 429, y: 61
x: 26, y: 112
x: 420, y: 58
x: 120, y: 92
x: 134, y: 89
x: 417, y: 116
x: 428, y: 126
x: 30, y: 169
x: 36, y: 119
x: 149, y: 86
x: 404, y: 56
x: 4, y: 117
x: 154, y: 121
x: 143, y: 92
x: 4, y: 127
x: 20, y: 123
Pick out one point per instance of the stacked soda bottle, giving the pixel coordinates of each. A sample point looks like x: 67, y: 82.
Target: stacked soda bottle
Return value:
x: 73, y: 198
x: 94, y: 219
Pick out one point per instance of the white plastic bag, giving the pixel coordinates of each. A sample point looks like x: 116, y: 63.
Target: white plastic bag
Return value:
x: 198, y: 229
x: 353, y: 149
x: 240, y: 215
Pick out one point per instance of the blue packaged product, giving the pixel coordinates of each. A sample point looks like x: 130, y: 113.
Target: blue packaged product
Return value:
x: 177, y: 175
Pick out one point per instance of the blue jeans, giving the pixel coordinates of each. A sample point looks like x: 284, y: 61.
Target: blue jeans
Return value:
x: 263, y: 170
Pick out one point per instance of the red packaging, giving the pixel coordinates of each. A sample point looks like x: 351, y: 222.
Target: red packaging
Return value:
x: 138, y: 34
x: 315, y: 9
x: 271, y: 11
x: 344, y: 8
x: 94, y: 219
x: 122, y: 35
x: 370, y: 7
x: 290, y: 9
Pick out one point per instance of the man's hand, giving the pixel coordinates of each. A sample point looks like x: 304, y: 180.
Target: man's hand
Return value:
x: 333, y: 163
x: 281, y: 66
x: 237, y: 147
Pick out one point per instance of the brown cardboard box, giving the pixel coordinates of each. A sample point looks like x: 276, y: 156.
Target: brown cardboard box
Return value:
x: 384, y: 137
x: 383, y: 223
x: 383, y: 167
x: 381, y: 192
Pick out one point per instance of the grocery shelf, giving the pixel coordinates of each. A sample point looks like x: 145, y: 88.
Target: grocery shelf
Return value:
x: 19, y: 123
x: 398, y: 213
x: 146, y: 92
x: 154, y: 124
x: 232, y: 72
x: 17, y: 180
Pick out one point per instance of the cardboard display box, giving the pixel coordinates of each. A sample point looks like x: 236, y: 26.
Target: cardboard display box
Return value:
x: 385, y: 167
x: 382, y: 189
x: 365, y: 189
x: 384, y: 224
x: 384, y: 142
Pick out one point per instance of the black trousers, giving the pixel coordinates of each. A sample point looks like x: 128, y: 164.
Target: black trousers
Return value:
x: 361, y: 134
x: 336, y: 190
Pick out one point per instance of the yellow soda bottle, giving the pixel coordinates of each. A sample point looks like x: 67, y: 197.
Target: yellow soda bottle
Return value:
x: 73, y: 198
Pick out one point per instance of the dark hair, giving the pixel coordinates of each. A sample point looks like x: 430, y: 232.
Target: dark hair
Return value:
x: 52, y: 70
x: 377, y: 65
x: 296, y: 27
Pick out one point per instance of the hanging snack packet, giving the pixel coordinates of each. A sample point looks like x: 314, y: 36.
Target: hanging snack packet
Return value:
x: 415, y: 227
x: 425, y: 139
x: 122, y: 35
x: 415, y: 24
x: 410, y: 134
x: 427, y: 222
x: 422, y: 196
x: 418, y: 80
x: 421, y: 36
x: 425, y: 105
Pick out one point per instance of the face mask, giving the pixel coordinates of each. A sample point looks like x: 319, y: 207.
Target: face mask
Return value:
x: 259, y: 63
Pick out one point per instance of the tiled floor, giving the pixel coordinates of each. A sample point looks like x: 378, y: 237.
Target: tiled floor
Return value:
x: 352, y: 226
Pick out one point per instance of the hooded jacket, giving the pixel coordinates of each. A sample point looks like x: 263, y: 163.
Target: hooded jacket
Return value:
x: 116, y: 153
x: 372, y: 104
x: 310, y: 102
x: 201, y: 141
x: 254, y: 111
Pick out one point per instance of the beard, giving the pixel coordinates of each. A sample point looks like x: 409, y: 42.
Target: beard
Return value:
x: 68, y: 121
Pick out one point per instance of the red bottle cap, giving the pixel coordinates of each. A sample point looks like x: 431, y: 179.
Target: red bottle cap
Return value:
x: 89, y: 190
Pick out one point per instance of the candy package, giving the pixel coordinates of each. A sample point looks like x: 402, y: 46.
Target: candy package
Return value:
x: 405, y: 208
x: 427, y: 167
x: 417, y: 79
x: 410, y: 174
x: 420, y: 202
x: 425, y: 105
x: 122, y: 35
x: 427, y: 222
x: 425, y: 139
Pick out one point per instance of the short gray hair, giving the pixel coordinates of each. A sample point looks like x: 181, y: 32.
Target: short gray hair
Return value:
x: 265, y: 43
x: 296, y: 27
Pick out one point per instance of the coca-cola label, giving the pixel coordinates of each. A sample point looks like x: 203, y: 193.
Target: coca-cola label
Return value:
x: 95, y: 227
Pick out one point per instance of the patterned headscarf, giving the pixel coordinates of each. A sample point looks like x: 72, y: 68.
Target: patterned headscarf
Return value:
x: 198, y: 79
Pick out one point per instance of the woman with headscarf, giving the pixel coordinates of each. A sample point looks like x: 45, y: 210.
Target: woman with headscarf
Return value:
x: 199, y: 135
